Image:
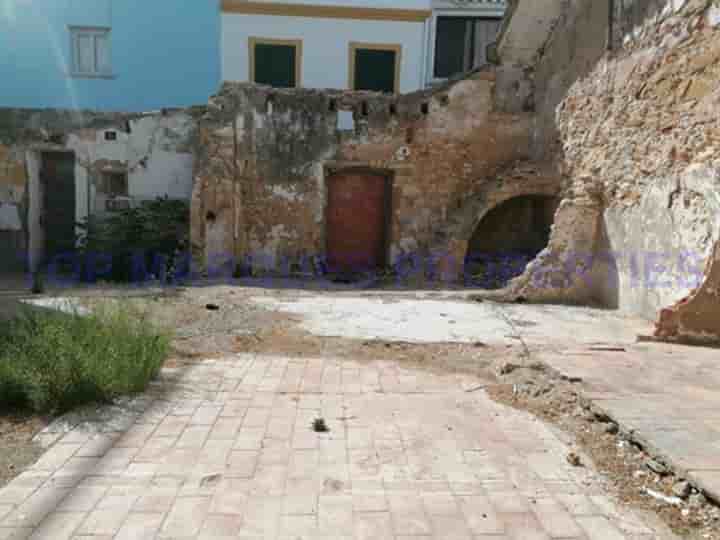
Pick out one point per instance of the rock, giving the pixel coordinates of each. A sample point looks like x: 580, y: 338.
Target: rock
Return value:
x: 574, y: 460
x: 674, y: 501
x: 656, y: 466
x: 210, y: 480
x: 601, y: 428
x: 682, y: 489
x: 712, y: 16
x: 542, y: 390
x: 508, y: 368
x: 697, y: 500
x: 698, y: 89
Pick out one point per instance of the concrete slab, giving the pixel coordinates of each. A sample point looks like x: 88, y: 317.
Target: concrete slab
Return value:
x: 434, y: 321
x: 667, y: 394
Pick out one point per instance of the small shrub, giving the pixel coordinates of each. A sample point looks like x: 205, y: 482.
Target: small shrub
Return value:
x: 143, y: 238
x: 52, y: 362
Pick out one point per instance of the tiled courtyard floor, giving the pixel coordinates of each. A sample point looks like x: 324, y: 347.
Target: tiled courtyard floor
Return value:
x: 225, y: 449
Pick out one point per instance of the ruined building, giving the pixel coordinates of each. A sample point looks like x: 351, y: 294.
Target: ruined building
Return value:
x: 589, y: 147
x: 627, y: 103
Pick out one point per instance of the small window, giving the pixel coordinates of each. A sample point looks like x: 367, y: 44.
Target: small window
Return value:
x: 90, y: 52
x: 461, y: 44
x: 115, y: 184
x: 375, y: 67
x: 275, y: 62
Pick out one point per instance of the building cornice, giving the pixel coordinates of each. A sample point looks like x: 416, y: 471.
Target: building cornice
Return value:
x: 325, y: 12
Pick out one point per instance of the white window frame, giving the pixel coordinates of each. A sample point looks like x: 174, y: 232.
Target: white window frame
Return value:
x: 489, y: 10
x: 94, y: 32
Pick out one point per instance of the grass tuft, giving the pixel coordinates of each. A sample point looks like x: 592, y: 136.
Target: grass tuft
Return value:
x: 52, y: 362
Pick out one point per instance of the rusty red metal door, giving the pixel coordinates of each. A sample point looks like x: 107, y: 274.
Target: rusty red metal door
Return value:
x: 356, y: 222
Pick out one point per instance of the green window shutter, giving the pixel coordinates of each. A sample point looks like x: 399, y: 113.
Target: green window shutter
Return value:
x: 375, y: 70
x: 450, y: 46
x: 275, y: 65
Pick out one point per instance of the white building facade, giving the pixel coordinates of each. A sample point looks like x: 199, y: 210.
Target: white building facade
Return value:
x: 355, y: 44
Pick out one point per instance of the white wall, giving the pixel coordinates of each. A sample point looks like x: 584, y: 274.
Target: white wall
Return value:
x: 325, y: 44
x: 154, y: 154
x: 148, y: 153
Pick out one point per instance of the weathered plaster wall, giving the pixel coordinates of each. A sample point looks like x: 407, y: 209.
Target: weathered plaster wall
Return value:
x: 155, y: 151
x: 13, y: 180
x: 636, y: 136
x: 266, y: 155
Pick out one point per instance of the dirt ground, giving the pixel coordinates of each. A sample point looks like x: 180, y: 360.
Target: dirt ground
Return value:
x: 17, y: 449
x: 512, y: 378
x: 213, y: 322
x: 631, y: 474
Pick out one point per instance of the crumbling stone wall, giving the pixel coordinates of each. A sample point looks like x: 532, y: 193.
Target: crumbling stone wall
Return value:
x: 153, y: 149
x: 265, y: 155
x: 638, y: 136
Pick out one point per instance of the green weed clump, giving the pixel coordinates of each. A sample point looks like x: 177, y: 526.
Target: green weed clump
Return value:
x: 52, y: 362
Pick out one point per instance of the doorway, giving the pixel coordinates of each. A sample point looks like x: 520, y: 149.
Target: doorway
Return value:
x: 57, y: 178
x: 357, y: 221
x: 507, y: 239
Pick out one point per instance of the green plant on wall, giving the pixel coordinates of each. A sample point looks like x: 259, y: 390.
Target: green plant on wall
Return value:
x: 155, y: 230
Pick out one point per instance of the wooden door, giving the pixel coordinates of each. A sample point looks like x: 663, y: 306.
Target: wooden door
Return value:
x: 58, y: 213
x: 356, y: 222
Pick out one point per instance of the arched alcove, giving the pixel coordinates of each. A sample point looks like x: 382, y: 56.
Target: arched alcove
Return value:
x: 507, y: 238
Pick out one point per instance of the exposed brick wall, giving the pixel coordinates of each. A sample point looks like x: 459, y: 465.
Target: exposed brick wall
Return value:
x: 266, y: 154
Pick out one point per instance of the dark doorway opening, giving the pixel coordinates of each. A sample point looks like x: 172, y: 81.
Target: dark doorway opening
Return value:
x: 357, y: 222
x: 507, y: 239
x: 57, y: 178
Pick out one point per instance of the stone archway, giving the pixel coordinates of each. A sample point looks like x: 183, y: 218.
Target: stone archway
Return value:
x: 521, y: 180
x: 507, y: 238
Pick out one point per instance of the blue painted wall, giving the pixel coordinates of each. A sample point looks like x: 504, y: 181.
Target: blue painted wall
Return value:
x: 165, y: 53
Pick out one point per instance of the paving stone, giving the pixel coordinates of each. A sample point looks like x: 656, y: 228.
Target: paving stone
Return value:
x: 480, y: 515
x: 373, y: 526
x: 440, y: 504
x: 335, y: 513
x: 186, y: 517
x: 82, y: 499
x: 56, y: 457
x: 35, y: 508
x: 389, y: 468
x: 509, y: 502
x: 15, y: 533
x: 555, y: 520
x: 58, y: 526
x: 599, y: 528
x: 231, y: 497
x: 143, y: 526
x: 369, y: 501
x: 523, y: 526
x: 156, y: 500
x: 108, y: 515
x: 242, y: 463
x: 221, y: 526
x: 193, y: 437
